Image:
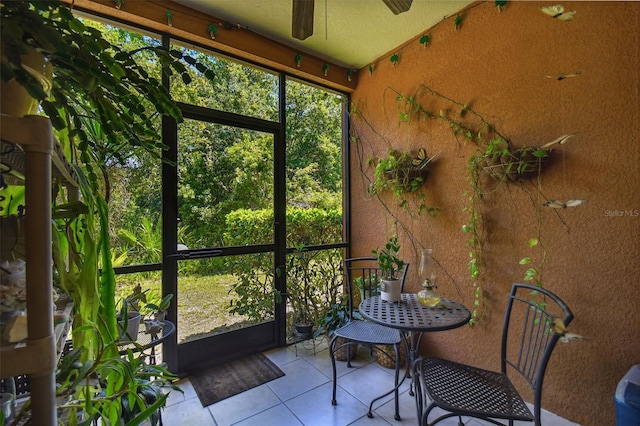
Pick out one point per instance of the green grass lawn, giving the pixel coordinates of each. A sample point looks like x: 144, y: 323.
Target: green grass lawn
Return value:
x: 203, y: 302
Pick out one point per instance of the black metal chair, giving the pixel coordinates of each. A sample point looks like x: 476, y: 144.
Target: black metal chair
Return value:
x: 362, y: 275
x: 528, y: 338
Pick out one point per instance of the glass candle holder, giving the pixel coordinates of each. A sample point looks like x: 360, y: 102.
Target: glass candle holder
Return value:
x: 427, y: 271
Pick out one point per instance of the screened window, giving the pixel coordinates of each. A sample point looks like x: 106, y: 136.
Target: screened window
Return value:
x: 238, y: 88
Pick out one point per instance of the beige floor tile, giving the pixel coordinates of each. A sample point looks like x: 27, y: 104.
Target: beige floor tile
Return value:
x: 303, y: 396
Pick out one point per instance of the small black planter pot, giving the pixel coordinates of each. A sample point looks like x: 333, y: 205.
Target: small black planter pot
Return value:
x: 304, y: 331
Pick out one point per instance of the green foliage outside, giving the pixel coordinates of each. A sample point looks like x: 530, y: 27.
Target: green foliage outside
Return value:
x: 232, y: 206
x: 314, y: 277
x: 222, y: 169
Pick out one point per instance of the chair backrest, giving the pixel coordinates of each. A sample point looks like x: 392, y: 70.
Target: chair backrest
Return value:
x: 362, y: 279
x: 528, y: 336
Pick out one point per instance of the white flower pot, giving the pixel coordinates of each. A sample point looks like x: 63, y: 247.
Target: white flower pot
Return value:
x: 133, y: 325
x: 390, y: 290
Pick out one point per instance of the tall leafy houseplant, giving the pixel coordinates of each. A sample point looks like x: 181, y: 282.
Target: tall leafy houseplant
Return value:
x: 93, y: 80
x: 94, y: 83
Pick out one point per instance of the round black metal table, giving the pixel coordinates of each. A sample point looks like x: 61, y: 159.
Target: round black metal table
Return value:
x: 409, y: 315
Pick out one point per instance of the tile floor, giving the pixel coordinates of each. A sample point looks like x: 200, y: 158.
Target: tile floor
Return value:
x: 303, y: 396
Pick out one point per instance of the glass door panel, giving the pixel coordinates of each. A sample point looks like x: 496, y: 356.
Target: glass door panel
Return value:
x: 225, y: 180
x: 235, y: 292
x: 224, y: 273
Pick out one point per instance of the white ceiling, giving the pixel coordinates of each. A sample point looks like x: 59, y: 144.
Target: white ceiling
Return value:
x: 350, y: 33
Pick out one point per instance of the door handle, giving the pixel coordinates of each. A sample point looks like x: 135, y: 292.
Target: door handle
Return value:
x: 187, y: 254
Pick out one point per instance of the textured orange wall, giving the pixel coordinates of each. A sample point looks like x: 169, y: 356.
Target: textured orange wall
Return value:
x: 497, y: 63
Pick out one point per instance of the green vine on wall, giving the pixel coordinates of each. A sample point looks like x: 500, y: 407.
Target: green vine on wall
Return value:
x: 412, y: 198
x: 495, y: 157
x: 402, y: 173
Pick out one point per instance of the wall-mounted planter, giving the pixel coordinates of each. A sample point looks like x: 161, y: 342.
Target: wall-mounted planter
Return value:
x: 516, y: 165
x: 399, y: 172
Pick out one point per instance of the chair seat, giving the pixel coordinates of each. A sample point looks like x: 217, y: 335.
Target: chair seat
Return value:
x: 369, y: 333
x: 464, y: 389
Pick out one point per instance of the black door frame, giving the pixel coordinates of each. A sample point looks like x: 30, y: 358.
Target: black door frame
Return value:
x: 189, y: 357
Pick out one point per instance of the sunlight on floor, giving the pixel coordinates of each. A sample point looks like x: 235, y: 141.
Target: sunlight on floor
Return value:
x: 303, y: 396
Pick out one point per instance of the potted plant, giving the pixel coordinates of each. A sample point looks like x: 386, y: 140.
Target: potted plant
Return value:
x: 303, y: 295
x: 336, y: 316
x: 159, y: 309
x: 142, y: 388
x: 390, y: 266
x: 129, y: 315
x: 302, y: 315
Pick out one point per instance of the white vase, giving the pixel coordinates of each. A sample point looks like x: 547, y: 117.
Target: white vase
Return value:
x: 390, y: 290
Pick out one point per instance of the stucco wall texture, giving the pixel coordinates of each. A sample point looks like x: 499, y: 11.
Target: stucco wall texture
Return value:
x: 497, y: 63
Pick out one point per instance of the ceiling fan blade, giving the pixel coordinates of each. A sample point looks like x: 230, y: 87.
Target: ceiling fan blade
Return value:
x: 398, y: 6
x: 302, y: 22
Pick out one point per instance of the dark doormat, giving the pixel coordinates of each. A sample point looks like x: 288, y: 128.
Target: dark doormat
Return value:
x: 223, y: 381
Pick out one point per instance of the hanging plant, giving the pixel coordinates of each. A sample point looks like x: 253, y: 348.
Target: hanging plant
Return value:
x: 402, y: 173
x: 504, y: 164
x: 457, y: 22
x: 394, y: 59
x: 494, y: 156
x: 399, y: 172
x: 350, y: 74
x: 424, y: 40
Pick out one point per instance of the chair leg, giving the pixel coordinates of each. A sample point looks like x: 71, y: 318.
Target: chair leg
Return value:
x: 332, y: 348
x: 410, y: 355
x: 418, y: 393
x: 396, y: 388
x: 397, y: 392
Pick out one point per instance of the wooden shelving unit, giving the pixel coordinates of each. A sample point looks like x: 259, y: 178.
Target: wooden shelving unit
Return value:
x: 35, y: 149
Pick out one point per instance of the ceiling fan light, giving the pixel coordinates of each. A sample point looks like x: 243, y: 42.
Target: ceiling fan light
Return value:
x: 302, y: 21
x: 398, y: 6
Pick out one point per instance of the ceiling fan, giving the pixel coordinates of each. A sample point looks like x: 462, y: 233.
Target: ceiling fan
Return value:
x: 302, y: 22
